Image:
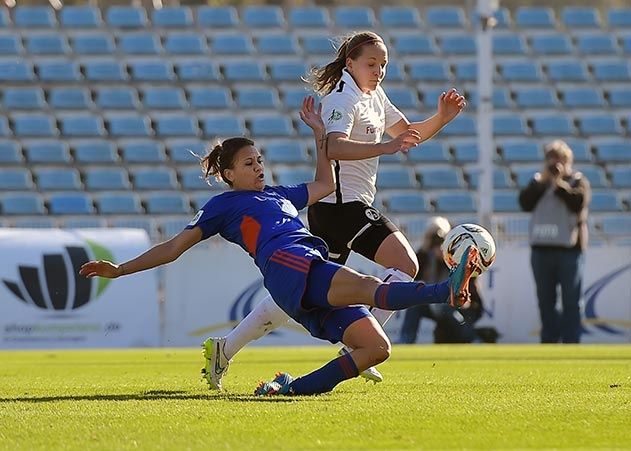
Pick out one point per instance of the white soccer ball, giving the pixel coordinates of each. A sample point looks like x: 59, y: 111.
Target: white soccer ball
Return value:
x: 463, y: 236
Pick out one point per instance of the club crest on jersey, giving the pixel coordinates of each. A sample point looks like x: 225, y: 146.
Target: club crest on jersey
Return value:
x: 196, y: 218
x: 372, y: 214
x: 335, y: 116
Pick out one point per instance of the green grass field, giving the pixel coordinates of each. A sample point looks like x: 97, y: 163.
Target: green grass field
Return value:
x: 483, y: 397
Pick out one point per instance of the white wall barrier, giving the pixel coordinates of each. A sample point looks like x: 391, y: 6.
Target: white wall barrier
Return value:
x: 44, y: 303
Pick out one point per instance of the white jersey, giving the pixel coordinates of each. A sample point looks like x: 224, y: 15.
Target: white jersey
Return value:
x: 362, y: 117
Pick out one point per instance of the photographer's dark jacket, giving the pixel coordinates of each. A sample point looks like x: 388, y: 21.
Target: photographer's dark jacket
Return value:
x: 559, y: 211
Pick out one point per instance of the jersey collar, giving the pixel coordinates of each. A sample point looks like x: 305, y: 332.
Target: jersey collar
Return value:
x: 350, y: 82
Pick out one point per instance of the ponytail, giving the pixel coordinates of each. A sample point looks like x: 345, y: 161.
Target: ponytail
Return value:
x: 221, y: 157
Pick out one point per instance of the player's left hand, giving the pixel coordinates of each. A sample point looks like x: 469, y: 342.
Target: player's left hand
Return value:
x: 311, y: 116
x: 450, y: 104
x: 101, y: 268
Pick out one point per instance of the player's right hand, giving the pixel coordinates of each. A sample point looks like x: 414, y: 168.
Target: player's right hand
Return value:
x: 404, y: 142
x: 101, y: 268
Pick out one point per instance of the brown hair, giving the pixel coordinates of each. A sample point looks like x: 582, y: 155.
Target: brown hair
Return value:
x: 560, y: 149
x: 221, y: 157
x: 324, y: 79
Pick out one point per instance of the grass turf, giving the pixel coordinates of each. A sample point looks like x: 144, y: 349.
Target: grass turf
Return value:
x: 433, y: 397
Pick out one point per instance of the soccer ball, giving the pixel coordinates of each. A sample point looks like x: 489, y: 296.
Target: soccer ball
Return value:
x: 463, y: 236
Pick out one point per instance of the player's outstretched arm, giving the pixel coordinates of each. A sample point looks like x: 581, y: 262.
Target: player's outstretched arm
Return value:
x: 158, y: 255
x: 323, y: 183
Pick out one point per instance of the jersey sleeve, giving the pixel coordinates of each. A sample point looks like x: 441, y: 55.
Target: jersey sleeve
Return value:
x: 392, y: 113
x: 210, y: 218
x: 298, y: 195
x: 338, y: 113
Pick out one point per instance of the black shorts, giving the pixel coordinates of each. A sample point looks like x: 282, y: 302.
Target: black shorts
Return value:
x: 350, y: 226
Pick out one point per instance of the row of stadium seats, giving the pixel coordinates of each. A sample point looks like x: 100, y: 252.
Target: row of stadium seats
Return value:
x: 228, y: 44
x: 257, y: 16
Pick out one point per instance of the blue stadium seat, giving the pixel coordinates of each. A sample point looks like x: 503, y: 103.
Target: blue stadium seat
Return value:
x: 152, y: 70
x: 619, y: 17
x: 185, y: 44
x: 524, y: 174
x: 105, y: 70
x: 586, y: 97
x: 271, y: 125
x: 254, y: 97
x: 73, y: 203
x: 293, y: 97
x: 212, y: 97
x: 176, y: 124
x: 118, y: 203
x: 142, y: 151
x: 95, y: 151
x: 10, y: 152
x: 395, y: 72
x: 15, y: 179
x: 262, y: 16
x: 551, y: 44
x: 605, y: 201
x: 445, y: 17
x: 137, y: 222
x: 10, y: 44
x: 412, y: 202
x: 441, y: 177
x: 597, y: 44
x: 293, y: 175
x: 58, y: 71
x: 616, y: 225
x: 396, y: 17
x: 35, y: 124
x: 616, y: 70
x: 429, y: 152
x: 286, y: 151
x: 626, y: 44
x: 154, y: 178
x: 508, y: 124
x: 93, y: 44
x: 139, y: 43
x: 117, y: 98
x: 506, y: 201
x: 596, y: 175
x: 172, y: 17
x: 392, y: 177
x: 462, y: 202
x: 354, y: 17
x: 47, y: 44
x: 581, y: 150
x: 5, y: 20
x: 580, y: 17
x: 80, y: 17
x: 466, y: 151
x: 223, y: 126
x: 461, y: 44
x: 461, y: 126
x: 23, y: 99
x: 167, y: 203
x: 526, y: 71
x: 429, y: 71
x: 288, y: 70
x: 232, y: 44
x: 126, y: 17
x: 521, y: 151
x: 552, y: 125
x: 308, y: 17
x: 129, y: 124
x: 83, y: 125
x: 414, y: 44
x: 164, y: 98
x: 193, y: 179
x: 47, y: 151
x: 16, y: 71
x: 4, y: 127
x: 621, y: 177
x: 244, y: 71
x: 534, y: 17
x: 317, y: 45
x: 501, y: 98
x: 21, y: 204
x: 466, y: 71
x: 567, y: 70
x: 509, y: 44
x: 49, y: 179
x: 501, y: 15
x: 613, y: 151
x: 180, y: 150
x: 196, y: 70
x: 217, y: 17
x: 303, y: 130
x: 403, y: 97
x: 172, y: 226
x: 34, y: 17
x: 501, y: 178
x: 536, y: 98
x: 106, y: 179
x: 600, y: 124
x: 277, y: 44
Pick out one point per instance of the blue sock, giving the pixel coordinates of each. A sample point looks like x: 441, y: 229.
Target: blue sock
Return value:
x: 402, y: 295
x: 326, y: 378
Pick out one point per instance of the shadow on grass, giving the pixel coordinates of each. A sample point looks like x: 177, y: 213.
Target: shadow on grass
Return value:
x: 153, y: 395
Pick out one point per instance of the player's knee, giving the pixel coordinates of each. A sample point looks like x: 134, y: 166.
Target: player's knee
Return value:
x: 380, y: 352
x: 409, y: 266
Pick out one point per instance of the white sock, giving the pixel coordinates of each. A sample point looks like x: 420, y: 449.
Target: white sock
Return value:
x: 390, y: 275
x: 265, y: 317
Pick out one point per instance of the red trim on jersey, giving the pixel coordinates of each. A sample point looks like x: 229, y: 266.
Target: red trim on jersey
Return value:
x: 250, y: 230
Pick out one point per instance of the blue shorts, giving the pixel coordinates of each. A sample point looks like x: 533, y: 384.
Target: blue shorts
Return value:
x: 299, y: 277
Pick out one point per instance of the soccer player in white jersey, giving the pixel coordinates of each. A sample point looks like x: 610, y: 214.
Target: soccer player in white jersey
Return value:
x: 356, y: 113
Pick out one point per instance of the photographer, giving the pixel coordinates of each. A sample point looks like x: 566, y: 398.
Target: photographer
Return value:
x: 558, y: 199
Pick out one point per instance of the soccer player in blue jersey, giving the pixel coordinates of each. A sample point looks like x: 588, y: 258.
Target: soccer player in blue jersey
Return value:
x: 320, y: 295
